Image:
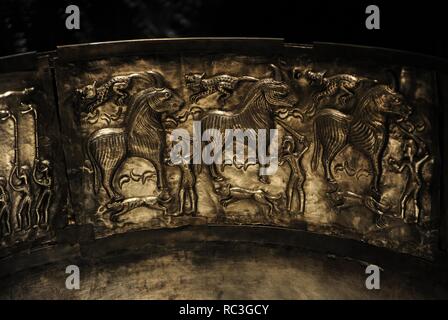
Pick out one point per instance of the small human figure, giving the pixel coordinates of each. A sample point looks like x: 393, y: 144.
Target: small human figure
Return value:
x: 298, y: 175
x: 187, y: 186
x: 19, y: 180
x: 42, y: 177
x: 5, y: 210
x: 414, y: 180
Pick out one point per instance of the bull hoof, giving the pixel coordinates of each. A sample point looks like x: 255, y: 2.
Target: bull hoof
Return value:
x: 165, y: 197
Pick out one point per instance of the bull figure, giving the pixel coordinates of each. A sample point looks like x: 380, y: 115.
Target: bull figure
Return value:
x: 142, y: 136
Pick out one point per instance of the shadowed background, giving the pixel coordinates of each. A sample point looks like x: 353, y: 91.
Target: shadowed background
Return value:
x: 28, y: 25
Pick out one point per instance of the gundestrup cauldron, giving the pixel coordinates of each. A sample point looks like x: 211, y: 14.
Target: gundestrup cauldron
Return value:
x: 339, y: 167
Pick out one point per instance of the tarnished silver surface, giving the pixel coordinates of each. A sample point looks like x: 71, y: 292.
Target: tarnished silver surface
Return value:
x: 84, y: 142
x: 358, y: 149
x: 33, y: 197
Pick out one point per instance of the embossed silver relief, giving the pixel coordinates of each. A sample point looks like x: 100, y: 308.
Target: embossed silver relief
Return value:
x: 341, y: 87
x: 338, y: 142
x: 141, y: 135
x: 26, y: 178
x: 365, y: 127
x: 42, y: 176
x: 223, y: 84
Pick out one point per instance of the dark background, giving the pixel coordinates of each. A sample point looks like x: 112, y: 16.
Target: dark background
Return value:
x: 39, y: 25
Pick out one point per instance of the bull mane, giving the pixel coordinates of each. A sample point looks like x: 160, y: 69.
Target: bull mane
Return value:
x: 373, y: 92
x: 138, y: 103
x: 364, y: 109
x: 255, y: 90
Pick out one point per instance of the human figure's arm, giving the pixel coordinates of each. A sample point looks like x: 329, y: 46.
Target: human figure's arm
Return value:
x: 4, y: 197
x: 35, y: 178
x: 42, y: 181
x: 401, y: 168
x: 49, y: 182
x: 5, y: 115
x: 282, y: 159
x: 16, y: 187
x: 300, y: 154
x: 422, y: 160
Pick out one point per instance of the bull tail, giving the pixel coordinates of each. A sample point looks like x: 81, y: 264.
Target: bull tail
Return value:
x: 317, y: 149
x: 96, y: 169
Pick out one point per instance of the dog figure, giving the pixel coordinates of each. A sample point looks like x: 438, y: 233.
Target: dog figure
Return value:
x: 229, y: 194
x: 119, y: 208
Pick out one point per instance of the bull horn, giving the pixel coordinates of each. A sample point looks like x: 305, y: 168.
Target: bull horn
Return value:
x: 277, y: 72
x: 156, y: 78
x: 296, y: 73
x: 394, y: 83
